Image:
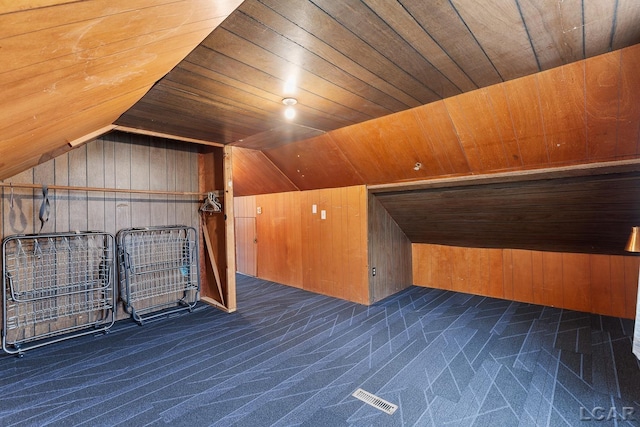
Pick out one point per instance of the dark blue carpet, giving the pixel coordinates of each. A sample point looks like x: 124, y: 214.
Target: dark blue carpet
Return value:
x: 292, y: 358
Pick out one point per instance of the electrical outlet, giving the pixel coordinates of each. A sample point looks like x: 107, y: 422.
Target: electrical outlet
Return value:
x: 259, y: 210
x: 373, y: 271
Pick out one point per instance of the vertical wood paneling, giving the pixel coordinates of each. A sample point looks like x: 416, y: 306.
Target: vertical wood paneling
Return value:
x: 298, y: 248
x: 78, y: 201
x: 552, y: 277
x: 158, y: 181
x: 576, y: 282
x: 631, y: 269
x: 629, y: 115
x: 522, y: 277
x: 140, y: 206
x: 356, y: 256
x: 246, y: 261
x: 499, y: 107
x: 435, y: 122
x: 183, y: 207
x: 389, y: 252
x: 473, y: 117
x: 108, y: 151
x: 103, y: 163
x: 496, y: 277
x: 524, y: 104
x: 244, y: 209
x: 562, y: 97
x: 61, y: 211
x: 602, y: 76
x: 322, y: 252
x: 95, y: 178
x: 602, y: 284
x: 507, y: 260
x: 244, y: 206
x: 171, y: 182
x: 19, y: 217
x: 537, y: 278
x: 123, y: 180
x: 618, y: 291
x: 279, y: 243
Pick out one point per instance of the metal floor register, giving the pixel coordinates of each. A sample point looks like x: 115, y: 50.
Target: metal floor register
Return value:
x: 63, y: 285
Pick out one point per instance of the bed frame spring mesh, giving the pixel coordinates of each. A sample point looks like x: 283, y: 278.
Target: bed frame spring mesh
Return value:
x: 56, y: 286
x: 158, y: 269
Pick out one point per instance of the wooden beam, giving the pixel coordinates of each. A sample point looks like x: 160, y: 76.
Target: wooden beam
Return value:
x: 602, y: 168
x: 91, y: 136
x: 230, y: 236
x: 167, y: 136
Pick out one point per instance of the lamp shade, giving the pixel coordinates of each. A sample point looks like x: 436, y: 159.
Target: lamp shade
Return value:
x: 633, y: 244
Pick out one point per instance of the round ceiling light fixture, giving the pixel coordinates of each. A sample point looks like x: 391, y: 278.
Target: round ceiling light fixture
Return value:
x: 289, y: 112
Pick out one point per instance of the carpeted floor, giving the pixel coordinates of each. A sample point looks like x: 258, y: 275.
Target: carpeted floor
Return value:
x: 291, y: 358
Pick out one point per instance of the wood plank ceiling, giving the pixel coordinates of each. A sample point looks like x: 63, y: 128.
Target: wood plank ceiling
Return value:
x: 463, y: 87
x: 357, y: 60
x: 68, y: 69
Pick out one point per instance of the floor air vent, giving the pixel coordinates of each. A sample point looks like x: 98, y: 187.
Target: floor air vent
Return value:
x: 375, y: 401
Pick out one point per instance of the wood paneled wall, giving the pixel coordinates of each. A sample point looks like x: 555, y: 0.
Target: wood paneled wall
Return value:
x: 279, y: 238
x: 389, y: 253
x: 296, y: 247
x: 603, y: 284
x: 116, y: 160
x: 244, y: 209
x: 334, y: 250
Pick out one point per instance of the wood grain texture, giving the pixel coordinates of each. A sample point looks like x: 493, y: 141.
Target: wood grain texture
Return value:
x: 246, y: 242
x: 602, y: 79
x: 279, y: 239
x: 105, y: 162
x: 315, y: 163
x: 629, y: 113
x: 254, y: 173
x: 588, y: 214
x: 298, y: 248
x: 389, y: 254
x: 88, y: 60
x: 487, y: 22
x: 602, y: 284
x: 562, y: 100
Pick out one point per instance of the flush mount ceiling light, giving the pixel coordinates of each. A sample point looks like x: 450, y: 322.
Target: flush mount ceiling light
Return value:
x: 289, y: 112
x: 289, y: 101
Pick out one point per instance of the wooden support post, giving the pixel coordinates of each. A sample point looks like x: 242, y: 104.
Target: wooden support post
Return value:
x: 230, y: 234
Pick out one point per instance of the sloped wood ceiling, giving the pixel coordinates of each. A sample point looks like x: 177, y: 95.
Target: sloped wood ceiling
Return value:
x: 68, y: 69
x: 357, y: 60
x: 585, y: 112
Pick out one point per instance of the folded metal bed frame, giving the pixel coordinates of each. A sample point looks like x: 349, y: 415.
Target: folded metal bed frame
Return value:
x: 55, y: 287
x: 158, y: 270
